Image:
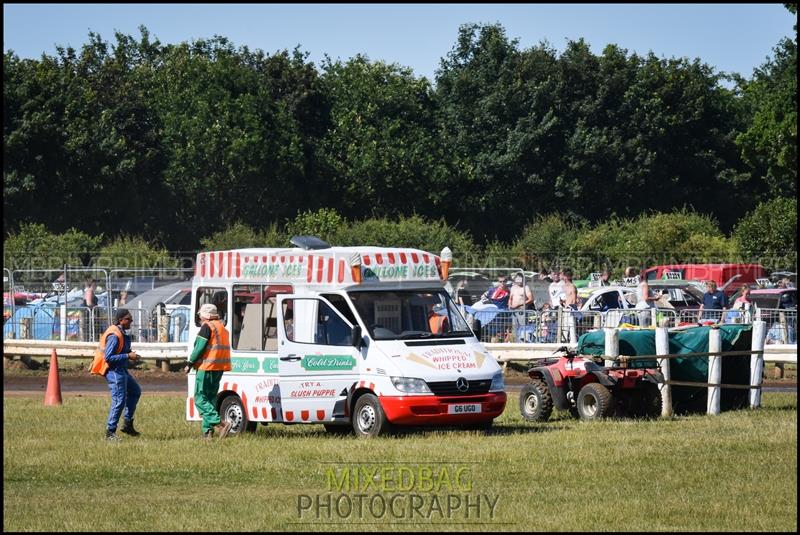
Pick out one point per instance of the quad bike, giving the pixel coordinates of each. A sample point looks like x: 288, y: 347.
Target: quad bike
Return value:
x: 588, y: 390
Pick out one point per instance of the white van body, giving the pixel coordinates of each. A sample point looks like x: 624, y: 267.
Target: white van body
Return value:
x: 312, y: 344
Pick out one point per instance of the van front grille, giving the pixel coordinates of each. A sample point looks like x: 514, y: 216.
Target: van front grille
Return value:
x: 449, y: 388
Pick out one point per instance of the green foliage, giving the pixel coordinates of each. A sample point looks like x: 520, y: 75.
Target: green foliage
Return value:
x: 414, y: 231
x: 134, y: 252
x: 682, y: 236
x: 769, y: 143
x: 770, y: 232
x: 326, y: 224
x: 547, y: 240
x: 240, y: 236
x: 34, y: 247
x: 181, y: 141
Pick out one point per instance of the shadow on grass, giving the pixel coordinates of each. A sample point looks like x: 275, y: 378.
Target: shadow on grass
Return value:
x: 282, y: 431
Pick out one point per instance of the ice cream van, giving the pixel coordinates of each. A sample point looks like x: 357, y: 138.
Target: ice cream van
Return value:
x: 358, y: 339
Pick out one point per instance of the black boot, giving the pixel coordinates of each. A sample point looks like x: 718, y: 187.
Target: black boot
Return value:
x: 128, y: 429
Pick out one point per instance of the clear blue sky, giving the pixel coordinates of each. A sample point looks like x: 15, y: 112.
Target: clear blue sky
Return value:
x: 730, y: 37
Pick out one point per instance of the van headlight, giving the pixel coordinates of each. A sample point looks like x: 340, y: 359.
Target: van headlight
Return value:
x: 497, y: 382
x: 411, y: 385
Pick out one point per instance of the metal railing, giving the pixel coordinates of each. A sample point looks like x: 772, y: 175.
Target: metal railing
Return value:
x: 87, y: 324
x: 566, y: 326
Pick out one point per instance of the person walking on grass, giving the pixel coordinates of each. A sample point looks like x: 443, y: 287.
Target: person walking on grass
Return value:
x: 125, y: 391
x: 211, y: 357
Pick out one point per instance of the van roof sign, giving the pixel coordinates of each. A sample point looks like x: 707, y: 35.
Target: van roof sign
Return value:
x: 309, y: 242
x: 331, y: 266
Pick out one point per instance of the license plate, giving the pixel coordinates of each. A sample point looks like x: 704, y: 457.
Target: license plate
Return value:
x: 464, y: 408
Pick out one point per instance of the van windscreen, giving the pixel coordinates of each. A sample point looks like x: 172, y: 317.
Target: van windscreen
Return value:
x: 409, y: 314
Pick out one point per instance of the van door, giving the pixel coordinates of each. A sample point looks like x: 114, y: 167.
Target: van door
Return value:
x: 317, y: 361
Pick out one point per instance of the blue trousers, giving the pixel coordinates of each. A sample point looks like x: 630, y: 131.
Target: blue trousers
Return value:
x: 125, y: 393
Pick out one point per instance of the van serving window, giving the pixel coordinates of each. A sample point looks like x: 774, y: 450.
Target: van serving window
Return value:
x: 217, y: 296
x: 254, y: 324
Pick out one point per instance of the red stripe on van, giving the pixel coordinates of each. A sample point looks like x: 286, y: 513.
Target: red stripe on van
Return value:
x: 191, y: 407
x: 320, y: 415
x: 238, y: 265
x: 330, y: 270
x: 255, y: 412
x: 304, y: 415
x: 415, y: 258
x: 263, y: 259
x: 320, y: 264
x: 244, y: 400
x: 220, y: 259
x: 291, y: 259
x: 372, y: 386
x: 274, y: 413
x: 264, y: 413
x: 210, y: 264
x: 203, y: 265
x: 233, y: 387
x: 310, y: 268
x: 341, y: 271
x: 425, y: 258
x: 403, y: 258
x: 366, y: 260
x: 289, y: 416
x: 224, y: 386
x: 378, y: 258
x: 391, y: 257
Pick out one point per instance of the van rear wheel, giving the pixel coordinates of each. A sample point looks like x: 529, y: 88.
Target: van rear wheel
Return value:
x: 232, y: 410
x: 369, y: 420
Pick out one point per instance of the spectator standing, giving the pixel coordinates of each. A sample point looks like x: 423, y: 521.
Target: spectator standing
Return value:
x: 714, y: 303
x: 460, y: 292
x: 89, y: 298
x: 520, y: 296
x: 604, y: 276
x: 520, y: 299
x: 125, y: 391
x: 645, y: 300
x: 570, y: 290
x: 498, y: 293
x: 556, y: 290
x: 743, y: 302
x: 211, y: 357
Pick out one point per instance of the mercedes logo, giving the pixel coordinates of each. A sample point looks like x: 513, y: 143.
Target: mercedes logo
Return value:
x: 462, y: 384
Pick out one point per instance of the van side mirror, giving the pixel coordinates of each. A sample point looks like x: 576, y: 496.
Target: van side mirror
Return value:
x: 355, y: 337
x: 476, y: 327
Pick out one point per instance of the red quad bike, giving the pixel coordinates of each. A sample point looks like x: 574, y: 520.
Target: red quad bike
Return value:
x: 589, y: 391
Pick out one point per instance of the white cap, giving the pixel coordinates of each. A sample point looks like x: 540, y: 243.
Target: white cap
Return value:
x: 209, y: 312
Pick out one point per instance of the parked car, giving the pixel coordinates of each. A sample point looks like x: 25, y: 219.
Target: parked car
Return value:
x: 729, y: 277
x: 771, y: 298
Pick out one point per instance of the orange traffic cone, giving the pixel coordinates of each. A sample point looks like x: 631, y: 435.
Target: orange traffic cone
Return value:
x: 53, y: 394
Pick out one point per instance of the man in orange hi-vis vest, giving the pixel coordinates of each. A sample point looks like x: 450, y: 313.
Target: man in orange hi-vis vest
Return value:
x: 211, y: 357
x: 116, y: 356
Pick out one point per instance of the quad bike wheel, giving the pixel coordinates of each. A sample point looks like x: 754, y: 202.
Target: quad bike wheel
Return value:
x: 595, y: 402
x: 535, y: 401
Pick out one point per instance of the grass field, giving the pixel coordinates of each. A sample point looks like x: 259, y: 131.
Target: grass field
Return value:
x: 733, y: 472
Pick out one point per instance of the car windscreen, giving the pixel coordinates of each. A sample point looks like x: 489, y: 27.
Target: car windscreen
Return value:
x: 409, y: 314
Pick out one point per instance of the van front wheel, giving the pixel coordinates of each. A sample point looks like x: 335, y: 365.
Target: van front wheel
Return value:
x: 369, y: 420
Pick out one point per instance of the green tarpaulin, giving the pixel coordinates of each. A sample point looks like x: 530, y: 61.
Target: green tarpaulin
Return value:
x: 735, y: 369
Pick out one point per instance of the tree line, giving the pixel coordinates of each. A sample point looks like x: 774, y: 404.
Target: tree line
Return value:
x: 177, y: 142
